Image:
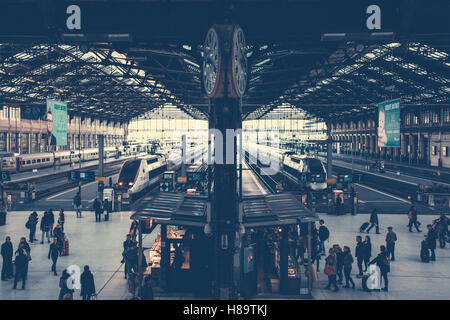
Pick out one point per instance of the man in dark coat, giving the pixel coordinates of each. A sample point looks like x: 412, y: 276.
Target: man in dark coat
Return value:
x: 26, y: 246
x: 324, y: 234
x: 98, y: 210
x: 45, y: 227
x: 61, y: 219
x: 59, y: 234
x: 7, y: 254
x: 106, y: 209
x: 382, y: 261
x: 32, y: 222
x: 21, y: 262
x: 53, y: 253
x: 87, y: 284
x: 374, y: 222
x: 431, y: 239
x: 391, y: 238
x: 359, y: 254
x: 339, y: 262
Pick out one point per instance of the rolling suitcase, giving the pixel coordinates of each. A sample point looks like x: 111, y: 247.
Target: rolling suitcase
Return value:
x: 65, y: 248
x: 364, y: 226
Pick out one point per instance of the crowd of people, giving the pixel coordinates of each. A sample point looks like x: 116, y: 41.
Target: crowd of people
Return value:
x: 16, y: 263
x: 339, y: 261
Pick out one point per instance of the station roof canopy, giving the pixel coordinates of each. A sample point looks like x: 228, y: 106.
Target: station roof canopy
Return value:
x: 132, y: 56
x: 258, y: 211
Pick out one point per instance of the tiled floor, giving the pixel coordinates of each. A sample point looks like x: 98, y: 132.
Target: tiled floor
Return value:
x: 100, y: 245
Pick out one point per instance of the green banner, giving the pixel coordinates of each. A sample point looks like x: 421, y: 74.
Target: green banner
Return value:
x: 389, y: 123
x: 56, y: 123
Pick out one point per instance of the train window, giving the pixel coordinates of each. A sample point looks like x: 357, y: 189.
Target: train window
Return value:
x: 33, y: 161
x: 28, y: 161
x: 445, y: 151
x: 43, y: 160
x: 153, y: 160
x: 38, y: 160
x: 48, y: 159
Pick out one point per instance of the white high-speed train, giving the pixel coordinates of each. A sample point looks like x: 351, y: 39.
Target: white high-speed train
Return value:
x: 137, y: 175
x: 307, y: 171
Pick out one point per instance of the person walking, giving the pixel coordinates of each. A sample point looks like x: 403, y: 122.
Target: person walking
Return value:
x: 64, y: 286
x: 431, y: 239
x: 324, y: 234
x: 412, y: 215
x: 98, y: 210
x: 330, y: 270
x: 359, y: 254
x: 7, y: 254
x: 374, y: 222
x: 146, y: 291
x: 424, y: 251
x: 348, y: 261
x: 61, y: 219
x: 77, y: 204
x: 133, y: 230
x: 31, y: 224
x: 382, y: 261
x: 338, y: 205
x: 367, y: 252
x: 21, y: 262
x: 45, y: 227
x: 127, y: 244
x: 87, y: 284
x: 391, y: 238
x: 51, y: 221
x: 53, y: 253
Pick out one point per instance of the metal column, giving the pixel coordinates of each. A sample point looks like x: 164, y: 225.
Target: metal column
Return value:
x: 225, y: 114
x: 329, y: 162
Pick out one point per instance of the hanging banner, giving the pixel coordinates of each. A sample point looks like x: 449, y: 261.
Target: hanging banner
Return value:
x: 56, y: 123
x: 389, y: 123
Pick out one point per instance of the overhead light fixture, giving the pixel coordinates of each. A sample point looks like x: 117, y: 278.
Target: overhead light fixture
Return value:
x: 73, y: 36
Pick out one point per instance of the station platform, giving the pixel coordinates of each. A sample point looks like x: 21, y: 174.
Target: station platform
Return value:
x: 99, y: 245
x: 251, y: 185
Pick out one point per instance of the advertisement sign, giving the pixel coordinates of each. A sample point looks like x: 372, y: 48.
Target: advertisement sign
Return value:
x: 56, y: 123
x: 389, y: 123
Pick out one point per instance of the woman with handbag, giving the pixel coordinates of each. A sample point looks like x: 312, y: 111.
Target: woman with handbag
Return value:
x: 330, y: 270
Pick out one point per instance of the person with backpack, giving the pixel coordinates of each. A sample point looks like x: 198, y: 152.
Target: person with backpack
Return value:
x: 431, y: 239
x: 382, y: 261
x: 359, y: 254
x: 31, y: 224
x: 53, y: 253
x: 64, y: 286
x: 45, y: 227
x: 77, y: 204
x: 374, y: 222
x: 348, y: 261
x: 391, y: 238
x: 7, y: 254
x: 106, y: 209
x: 87, y: 284
x: 324, y: 235
x: 412, y: 215
x: 330, y: 270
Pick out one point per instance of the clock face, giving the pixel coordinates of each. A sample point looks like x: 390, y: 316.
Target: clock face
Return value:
x: 239, y: 62
x: 211, y: 61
